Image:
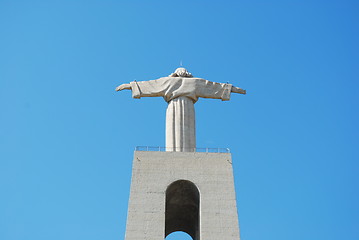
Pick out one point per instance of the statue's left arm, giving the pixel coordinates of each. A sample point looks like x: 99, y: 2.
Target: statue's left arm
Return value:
x: 208, y: 89
x: 238, y: 90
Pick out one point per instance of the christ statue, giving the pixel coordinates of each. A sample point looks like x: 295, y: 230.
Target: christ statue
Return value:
x: 181, y: 91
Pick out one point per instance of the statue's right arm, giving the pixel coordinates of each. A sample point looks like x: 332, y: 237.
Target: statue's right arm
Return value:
x: 151, y: 88
x: 124, y: 86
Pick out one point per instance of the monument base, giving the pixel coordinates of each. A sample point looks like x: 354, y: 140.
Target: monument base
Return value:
x: 182, y: 191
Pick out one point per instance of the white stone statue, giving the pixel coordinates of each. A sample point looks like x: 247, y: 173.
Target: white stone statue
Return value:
x: 181, y: 91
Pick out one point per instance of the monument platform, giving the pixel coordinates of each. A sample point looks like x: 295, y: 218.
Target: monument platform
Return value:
x: 182, y: 191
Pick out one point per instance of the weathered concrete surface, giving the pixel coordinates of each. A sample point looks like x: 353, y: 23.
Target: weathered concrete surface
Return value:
x: 153, y: 172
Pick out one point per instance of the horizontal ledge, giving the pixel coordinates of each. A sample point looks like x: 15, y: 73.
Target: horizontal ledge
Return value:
x: 166, y: 149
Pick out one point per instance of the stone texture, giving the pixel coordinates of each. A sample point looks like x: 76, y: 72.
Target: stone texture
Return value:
x: 181, y: 90
x: 181, y: 93
x: 212, y: 174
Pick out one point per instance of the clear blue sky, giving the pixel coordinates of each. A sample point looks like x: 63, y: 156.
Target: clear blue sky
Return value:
x: 67, y: 138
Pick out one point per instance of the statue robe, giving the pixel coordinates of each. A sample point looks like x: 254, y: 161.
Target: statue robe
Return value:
x: 181, y: 93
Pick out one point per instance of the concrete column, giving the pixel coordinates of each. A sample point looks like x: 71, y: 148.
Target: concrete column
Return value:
x: 211, y: 173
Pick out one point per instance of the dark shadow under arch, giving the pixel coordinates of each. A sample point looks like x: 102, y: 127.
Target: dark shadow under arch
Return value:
x: 182, y: 208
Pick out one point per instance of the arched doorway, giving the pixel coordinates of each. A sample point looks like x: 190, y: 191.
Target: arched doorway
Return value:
x: 182, y: 208
x: 179, y: 235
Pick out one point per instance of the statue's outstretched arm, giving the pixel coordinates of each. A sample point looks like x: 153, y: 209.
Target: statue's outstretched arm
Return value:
x: 238, y: 90
x: 124, y: 86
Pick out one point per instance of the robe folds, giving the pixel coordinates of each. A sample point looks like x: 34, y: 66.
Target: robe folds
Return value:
x: 181, y: 93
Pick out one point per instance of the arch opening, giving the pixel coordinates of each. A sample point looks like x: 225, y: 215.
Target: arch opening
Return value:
x: 182, y: 209
x: 179, y: 235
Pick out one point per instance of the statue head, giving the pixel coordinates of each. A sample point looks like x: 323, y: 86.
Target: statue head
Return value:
x: 181, y: 72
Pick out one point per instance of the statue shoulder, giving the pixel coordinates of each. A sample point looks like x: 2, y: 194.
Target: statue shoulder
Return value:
x: 199, y: 79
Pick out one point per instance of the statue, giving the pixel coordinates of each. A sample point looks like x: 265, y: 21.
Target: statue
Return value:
x: 181, y: 91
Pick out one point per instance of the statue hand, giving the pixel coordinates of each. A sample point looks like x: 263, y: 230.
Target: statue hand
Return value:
x: 123, y: 86
x: 238, y: 90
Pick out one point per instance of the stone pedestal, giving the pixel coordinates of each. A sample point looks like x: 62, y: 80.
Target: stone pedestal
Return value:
x: 187, y: 191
